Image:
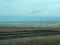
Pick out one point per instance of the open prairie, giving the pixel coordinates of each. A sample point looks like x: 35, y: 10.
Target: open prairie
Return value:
x: 33, y: 33
x: 13, y: 28
x: 29, y: 26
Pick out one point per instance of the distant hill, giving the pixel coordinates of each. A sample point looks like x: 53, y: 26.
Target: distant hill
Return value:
x: 28, y: 19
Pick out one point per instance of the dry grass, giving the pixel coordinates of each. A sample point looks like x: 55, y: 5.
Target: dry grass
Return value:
x: 43, y: 40
x: 10, y: 29
x: 31, y: 42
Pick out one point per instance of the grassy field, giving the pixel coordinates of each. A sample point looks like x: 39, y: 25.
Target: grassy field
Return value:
x: 30, y: 26
x: 42, y: 40
x: 33, y: 41
x: 13, y: 28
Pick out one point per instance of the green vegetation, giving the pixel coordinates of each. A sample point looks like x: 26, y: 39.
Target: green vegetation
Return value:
x: 31, y: 42
x: 33, y: 24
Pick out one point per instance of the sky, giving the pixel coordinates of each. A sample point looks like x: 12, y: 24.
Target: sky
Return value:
x: 28, y: 9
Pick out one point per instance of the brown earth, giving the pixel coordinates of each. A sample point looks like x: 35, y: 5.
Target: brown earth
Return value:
x: 9, y: 29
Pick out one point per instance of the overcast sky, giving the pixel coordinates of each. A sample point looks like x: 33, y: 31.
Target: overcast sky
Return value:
x: 30, y: 8
x: 25, y: 9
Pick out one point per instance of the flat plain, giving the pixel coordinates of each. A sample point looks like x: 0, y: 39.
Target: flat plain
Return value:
x: 33, y: 33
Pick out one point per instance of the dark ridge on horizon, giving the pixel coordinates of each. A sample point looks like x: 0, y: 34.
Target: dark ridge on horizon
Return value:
x: 29, y: 19
x: 31, y: 22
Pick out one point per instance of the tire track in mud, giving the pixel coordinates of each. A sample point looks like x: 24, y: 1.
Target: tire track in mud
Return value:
x: 23, y: 34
